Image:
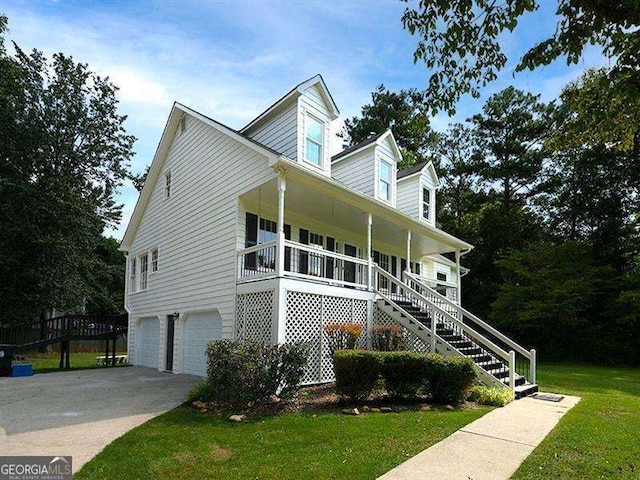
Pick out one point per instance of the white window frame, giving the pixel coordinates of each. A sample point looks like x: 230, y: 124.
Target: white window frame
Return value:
x: 168, y: 183
x: 133, y: 274
x: 386, y: 182
x: 315, y: 118
x: 429, y: 209
x: 155, y: 265
x: 144, y: 271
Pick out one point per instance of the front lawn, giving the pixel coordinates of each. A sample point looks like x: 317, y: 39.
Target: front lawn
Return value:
x: 48, y: 362
x: 182, y: 444
x: 599, y: 437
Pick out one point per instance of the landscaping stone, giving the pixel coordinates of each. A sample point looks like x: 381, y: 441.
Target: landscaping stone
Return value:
x: 274, y: 399
x: 375, y: 410
x: 346, y: 411
x: 237, y: 418
x: 425, y: 408
x: 355, y: 411
x: 386, y: 409
x: 449, y: 407
x: 366, y: 409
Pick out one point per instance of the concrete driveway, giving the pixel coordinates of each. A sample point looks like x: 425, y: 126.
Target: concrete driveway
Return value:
x: 78, y: 413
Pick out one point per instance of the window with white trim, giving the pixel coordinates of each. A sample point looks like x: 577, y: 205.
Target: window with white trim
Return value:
x: 384, y: 180
x: 426, y: 203
x: 133, y: 271
x: 314, y: 141
x: 316, y: 262
x: 167, y: 185
x: 144, y: 271
x: 154, y: 260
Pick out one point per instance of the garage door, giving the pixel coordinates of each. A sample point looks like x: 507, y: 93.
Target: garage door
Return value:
x: 147, y: 340
x: 199, y: 330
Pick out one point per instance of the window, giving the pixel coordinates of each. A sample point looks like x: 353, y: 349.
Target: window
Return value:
x: 133, y: 270
x: 316, y: 262
x: 426, y: 203
x: 384, y: 265
x: 314, y: 141
x: 154, y: 260
x: 384, y: 182
x: 441, y: 277
x: 441, y: 289
x: 167, y: 185
x: 267, y: 233
x: 144, y: 271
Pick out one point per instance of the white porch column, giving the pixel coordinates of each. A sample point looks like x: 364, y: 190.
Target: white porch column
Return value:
x: 369, y: 257
x: 458, y: 279
x: 408, y: 265
x: 282, y: 186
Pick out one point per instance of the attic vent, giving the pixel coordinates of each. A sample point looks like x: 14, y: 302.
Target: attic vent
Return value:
x: 183, y: 124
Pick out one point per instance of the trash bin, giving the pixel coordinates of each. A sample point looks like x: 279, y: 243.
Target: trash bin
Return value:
x: 6, y: 356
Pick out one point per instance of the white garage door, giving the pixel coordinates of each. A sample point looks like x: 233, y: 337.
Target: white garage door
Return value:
x: 199, y: 330
x: 147, y: 340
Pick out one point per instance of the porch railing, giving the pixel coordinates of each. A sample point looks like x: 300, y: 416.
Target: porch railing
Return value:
x: 302, y: 261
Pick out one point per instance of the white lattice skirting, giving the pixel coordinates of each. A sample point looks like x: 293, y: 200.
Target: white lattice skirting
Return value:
x: 308, y: 314
x: 255, y: 316
x: 413, y: 342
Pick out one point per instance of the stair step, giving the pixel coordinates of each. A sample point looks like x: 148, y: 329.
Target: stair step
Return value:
x: 518, y: 380
x: 524, y: 390
x: 469, y: 351
x: 491, y: 365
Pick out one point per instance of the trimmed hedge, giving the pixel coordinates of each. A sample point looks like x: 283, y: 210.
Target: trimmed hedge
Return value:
x: 446, y: 379
x: 493, y: 396
x: 403, y: 373
x: 244, y: 371
x: 357, y: 373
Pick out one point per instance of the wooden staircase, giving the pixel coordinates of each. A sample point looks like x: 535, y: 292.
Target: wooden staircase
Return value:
x: 442, y: 326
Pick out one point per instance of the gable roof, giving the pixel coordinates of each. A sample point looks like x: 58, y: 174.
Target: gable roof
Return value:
x: 155, y: 169
x: 375, y: 138
x: 293, y: 93
x: 418, y: 168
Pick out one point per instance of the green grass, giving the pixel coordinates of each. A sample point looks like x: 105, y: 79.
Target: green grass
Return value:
x: 182, y: 444
x: 599, y: 437
x: 48, y: 362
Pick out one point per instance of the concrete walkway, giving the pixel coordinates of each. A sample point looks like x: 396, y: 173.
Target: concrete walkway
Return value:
x: 491, y: 448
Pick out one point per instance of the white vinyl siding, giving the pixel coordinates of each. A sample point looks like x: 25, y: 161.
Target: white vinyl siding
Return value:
x: 198, y: 227
x: 407, y: 198
x: 357, y: 171
x: 279, y: 132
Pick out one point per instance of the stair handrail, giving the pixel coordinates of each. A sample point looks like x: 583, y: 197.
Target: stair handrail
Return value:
x: 520, y: 349
x: 465, y: 328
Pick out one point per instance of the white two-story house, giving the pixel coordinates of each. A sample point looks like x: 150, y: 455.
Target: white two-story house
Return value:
x: 260, y: 233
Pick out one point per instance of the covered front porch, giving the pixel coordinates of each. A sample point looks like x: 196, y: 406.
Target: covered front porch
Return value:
x: 312, y: 228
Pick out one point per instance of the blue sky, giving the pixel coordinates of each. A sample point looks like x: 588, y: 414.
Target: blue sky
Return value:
x: 231, y: 60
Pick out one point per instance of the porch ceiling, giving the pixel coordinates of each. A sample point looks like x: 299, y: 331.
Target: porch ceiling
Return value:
x: 310, y: 200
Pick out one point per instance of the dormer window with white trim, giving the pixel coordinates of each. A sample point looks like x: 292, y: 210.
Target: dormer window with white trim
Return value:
x: 314, y: 141
x: 426, y: 203
x: 384, y: 180
x: 167, y: 185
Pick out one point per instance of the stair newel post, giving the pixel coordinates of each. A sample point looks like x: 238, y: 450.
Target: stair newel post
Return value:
x: 512, y: 370
x: 532, y: 366
x: 372, y: 282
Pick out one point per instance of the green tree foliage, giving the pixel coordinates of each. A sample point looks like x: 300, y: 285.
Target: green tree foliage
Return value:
x: 404, y: 113
x: 63, y: 154
x: 461, y: 40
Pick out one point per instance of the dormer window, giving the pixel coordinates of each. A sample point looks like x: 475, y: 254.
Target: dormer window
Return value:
x: 384, y: 181
x: 314, y: 143
x: 426, y: 203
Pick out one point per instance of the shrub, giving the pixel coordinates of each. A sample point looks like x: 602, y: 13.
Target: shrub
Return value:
x: 244, y: 371
x: 493, y: 396
x: 357, y: 373
x: 404, y: 373
x: 202, y: 392
x: 343, y: 336
x: 450, y: 378
x: 389, y: 338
